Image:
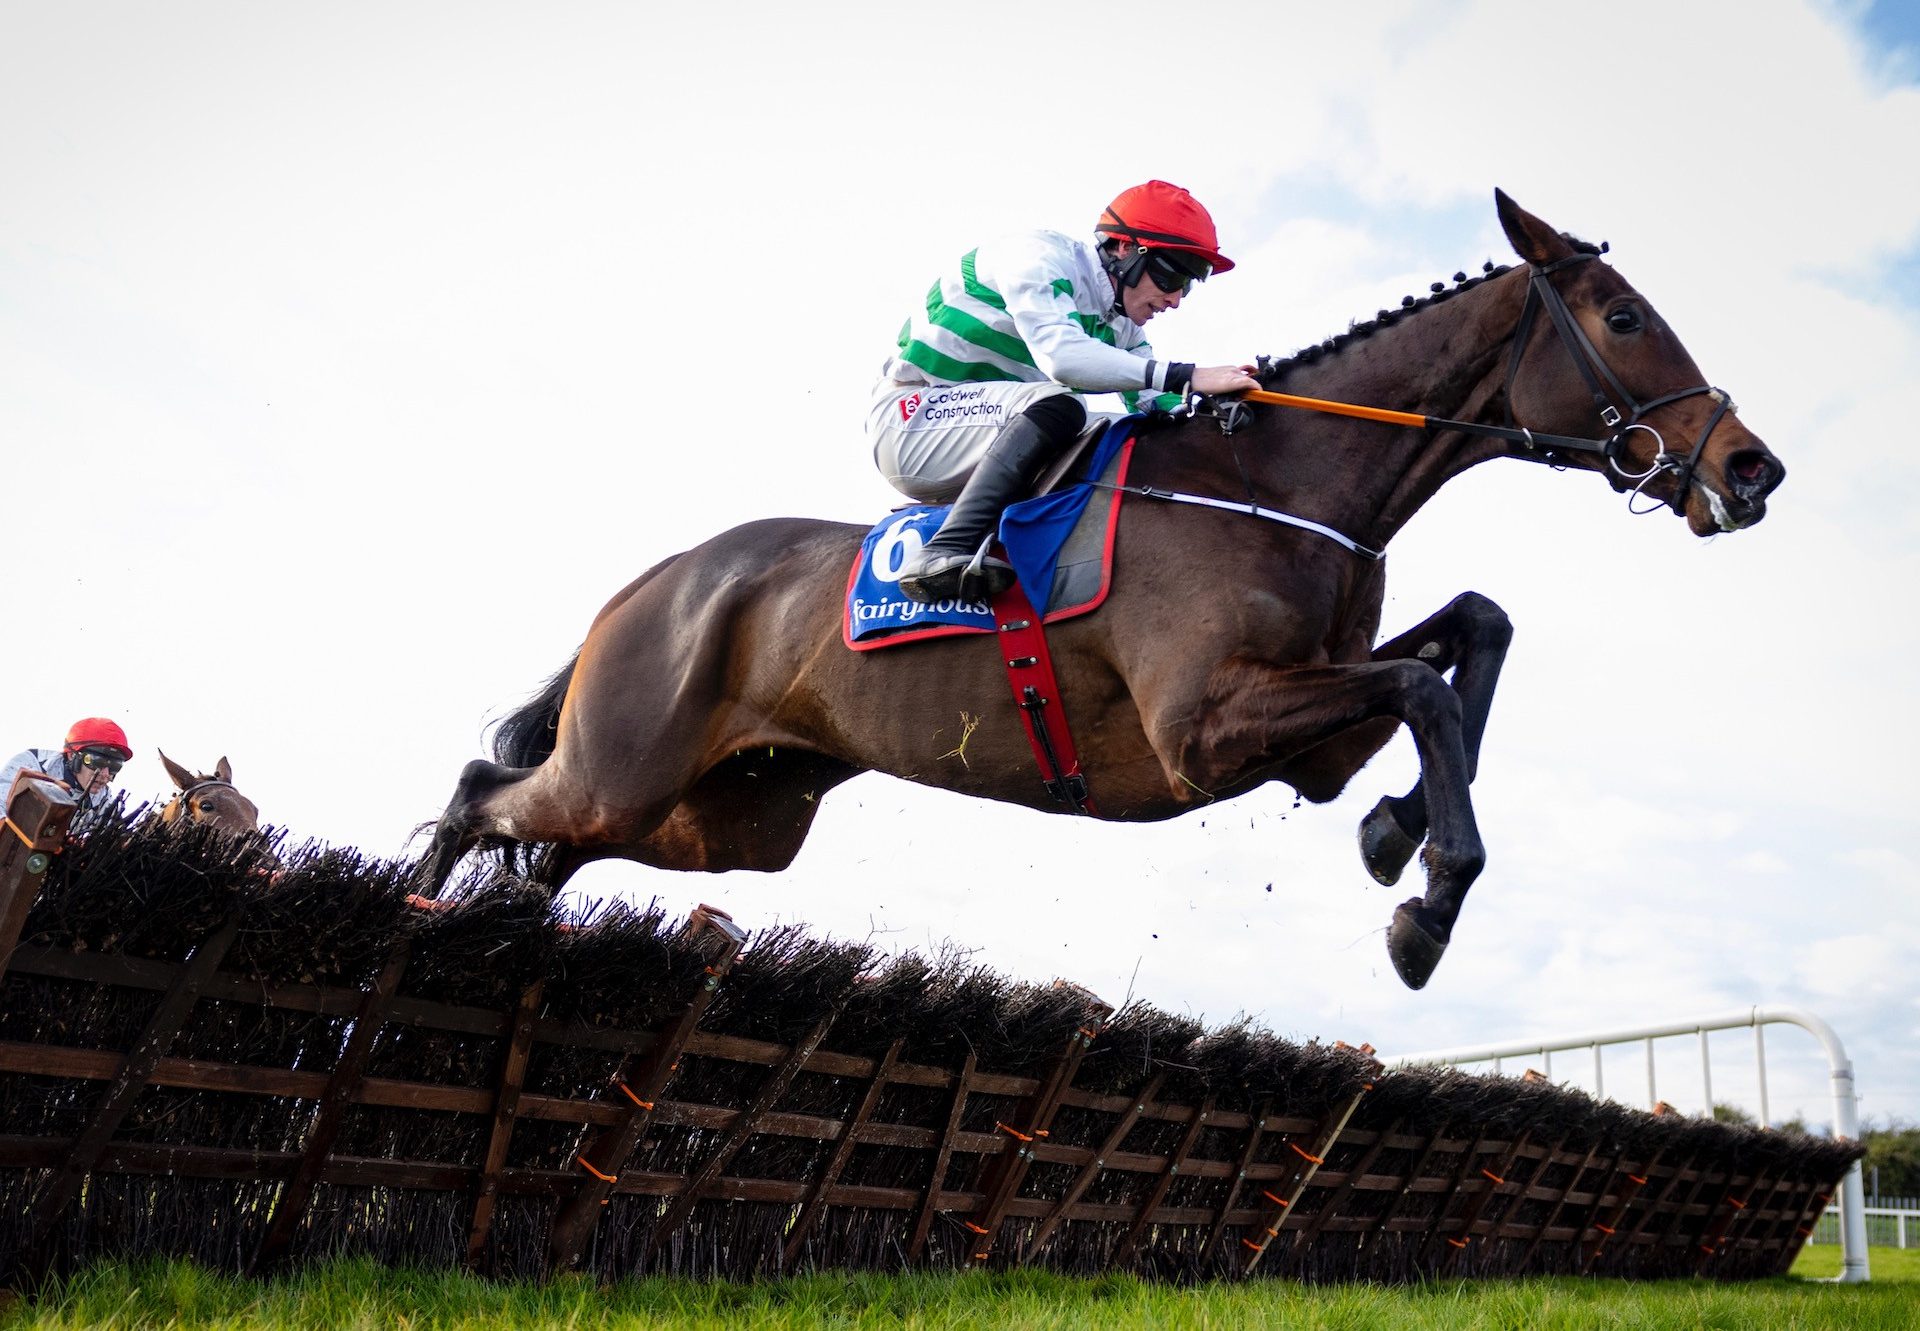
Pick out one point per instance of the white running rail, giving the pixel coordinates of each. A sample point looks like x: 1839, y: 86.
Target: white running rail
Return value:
x: 1846, y: 1117
x: 1899, y: 1226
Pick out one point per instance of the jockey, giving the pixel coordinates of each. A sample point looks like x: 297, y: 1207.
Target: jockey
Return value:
x: 983, y: 391
x: 84, y: 766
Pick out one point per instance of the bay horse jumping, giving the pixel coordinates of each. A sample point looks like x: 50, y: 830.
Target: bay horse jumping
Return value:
x: 713, y: 703
x: 209, y: 799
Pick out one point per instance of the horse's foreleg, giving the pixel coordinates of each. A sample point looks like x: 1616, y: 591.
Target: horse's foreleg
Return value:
x: 1469, y: 637
x: 1255, y: 715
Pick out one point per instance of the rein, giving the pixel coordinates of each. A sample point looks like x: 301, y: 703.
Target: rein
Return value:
x: 1547, y: 448
x: 1549, y: 444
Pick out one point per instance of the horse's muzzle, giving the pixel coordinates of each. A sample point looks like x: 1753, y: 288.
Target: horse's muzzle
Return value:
x: 1749, y: 476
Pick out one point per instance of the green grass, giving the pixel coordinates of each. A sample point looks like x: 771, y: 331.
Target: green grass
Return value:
x: 358, y: 1294
x: 1822, y: 1262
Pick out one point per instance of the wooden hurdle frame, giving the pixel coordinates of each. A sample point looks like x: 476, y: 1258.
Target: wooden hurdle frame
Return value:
x: 1336, y: 1187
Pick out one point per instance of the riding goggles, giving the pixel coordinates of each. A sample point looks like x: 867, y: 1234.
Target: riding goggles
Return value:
x: 94, y: 760
x: 1175, y: 271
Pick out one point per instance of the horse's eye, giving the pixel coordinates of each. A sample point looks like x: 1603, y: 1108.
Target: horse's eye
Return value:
x: 1626, y: 319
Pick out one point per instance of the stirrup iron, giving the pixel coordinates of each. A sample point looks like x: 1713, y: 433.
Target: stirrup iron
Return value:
x: 981, y: 580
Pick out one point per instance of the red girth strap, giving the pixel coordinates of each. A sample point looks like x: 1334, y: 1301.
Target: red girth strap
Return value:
x: 1023, y: 646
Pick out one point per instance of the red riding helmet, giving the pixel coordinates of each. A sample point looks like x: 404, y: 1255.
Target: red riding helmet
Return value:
x: 96, y: 732
x: 1157, y: 215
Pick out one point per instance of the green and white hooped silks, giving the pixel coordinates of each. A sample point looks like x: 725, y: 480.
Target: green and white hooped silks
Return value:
x: 1014, y: 321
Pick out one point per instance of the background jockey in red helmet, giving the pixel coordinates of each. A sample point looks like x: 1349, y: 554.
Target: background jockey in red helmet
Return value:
x: 983, y: 390
x: 86, y: 764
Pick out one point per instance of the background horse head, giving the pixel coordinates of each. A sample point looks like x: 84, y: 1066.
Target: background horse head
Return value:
x: 209, y: 799
x: 712, y: 706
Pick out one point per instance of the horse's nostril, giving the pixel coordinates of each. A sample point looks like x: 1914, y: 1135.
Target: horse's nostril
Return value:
x: 1754, y: 469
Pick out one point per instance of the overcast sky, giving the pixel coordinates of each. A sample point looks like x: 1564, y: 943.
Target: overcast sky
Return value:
x: 352, y: 355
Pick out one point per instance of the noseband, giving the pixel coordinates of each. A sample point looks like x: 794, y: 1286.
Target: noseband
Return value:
x: 1587, y: 359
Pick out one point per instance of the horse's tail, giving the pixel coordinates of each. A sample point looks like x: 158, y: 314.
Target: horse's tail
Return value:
x: 526, y: 738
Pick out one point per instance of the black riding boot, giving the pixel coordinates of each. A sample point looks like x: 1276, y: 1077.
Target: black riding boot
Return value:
x: 1023, y: 449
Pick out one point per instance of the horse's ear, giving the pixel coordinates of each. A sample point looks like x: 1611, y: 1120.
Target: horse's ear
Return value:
x: 181, y: 776
x: 1532, y: 239
x: 224, y: 770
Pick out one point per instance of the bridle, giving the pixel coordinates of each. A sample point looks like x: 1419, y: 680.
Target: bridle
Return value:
x: 1541, y: 294
x: 1532, y: 446
x: 184, y: 799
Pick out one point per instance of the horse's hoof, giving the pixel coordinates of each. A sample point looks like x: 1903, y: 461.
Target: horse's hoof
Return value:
x: 1385, y: 848
x: 1415, y: 942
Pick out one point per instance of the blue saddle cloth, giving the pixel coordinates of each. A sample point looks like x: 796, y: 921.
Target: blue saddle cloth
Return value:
x: 1033, y: 533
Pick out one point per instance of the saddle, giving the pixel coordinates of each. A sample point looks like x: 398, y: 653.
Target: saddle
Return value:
x: 1060, y: 543
x: 1067, y: 469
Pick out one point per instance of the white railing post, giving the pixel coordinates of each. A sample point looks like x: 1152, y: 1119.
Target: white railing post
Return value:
x: 1846, y: 1124
x: 1853, y: 1188
x: 1706, y: 1071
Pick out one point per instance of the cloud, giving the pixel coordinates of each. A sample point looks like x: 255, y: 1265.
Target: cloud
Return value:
x: 1883, y: 862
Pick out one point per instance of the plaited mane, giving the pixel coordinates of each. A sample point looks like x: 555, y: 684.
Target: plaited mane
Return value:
x: 1272, y: 371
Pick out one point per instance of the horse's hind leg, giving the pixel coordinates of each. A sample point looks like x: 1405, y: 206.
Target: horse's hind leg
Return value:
x: 750, y: 811
x: 551, y: 806
x: 528, y: 806
x: 460, y: 827
x: 555, y: 864
x: 1469, y: 637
